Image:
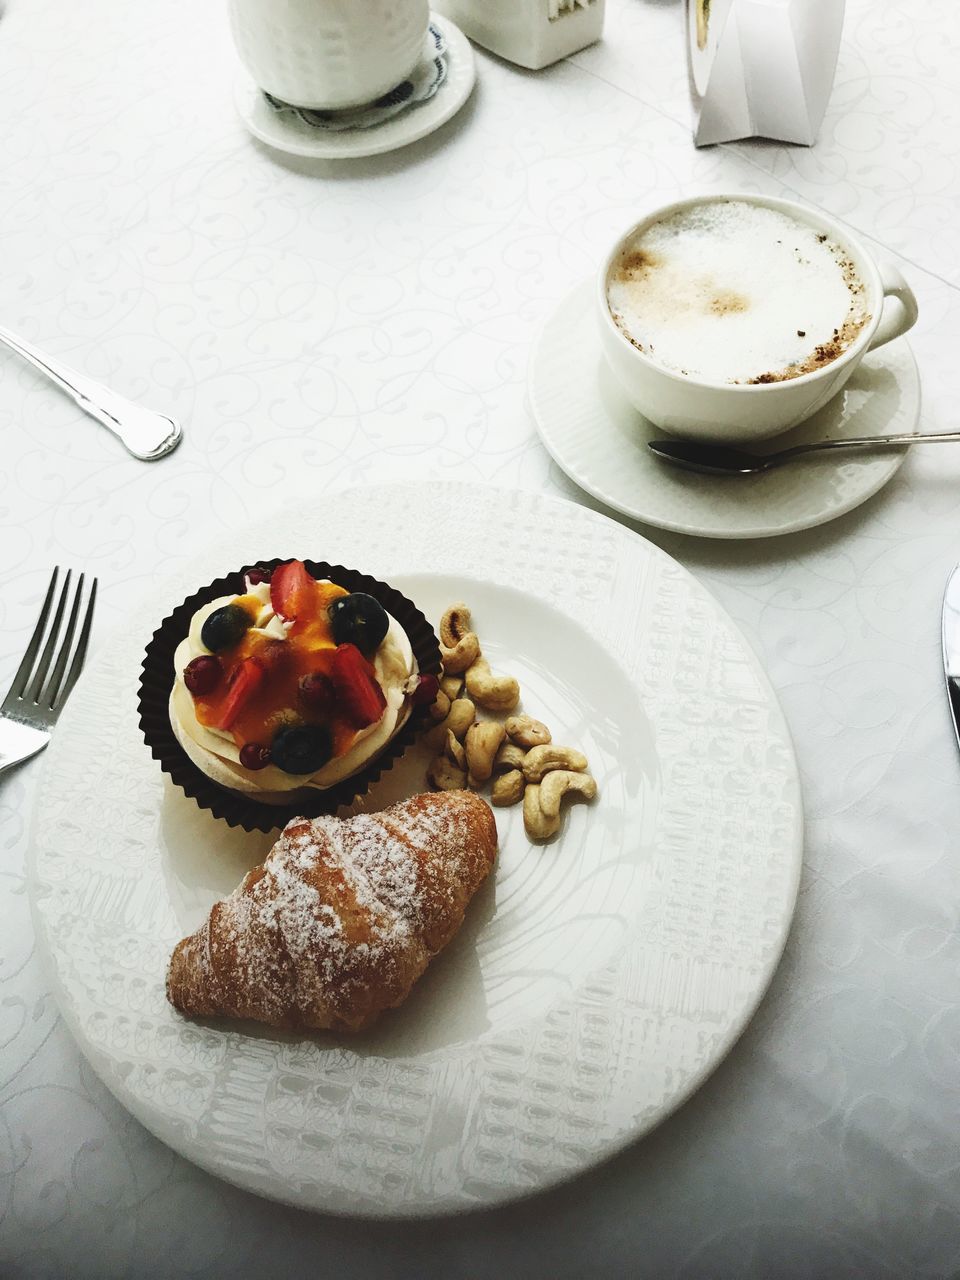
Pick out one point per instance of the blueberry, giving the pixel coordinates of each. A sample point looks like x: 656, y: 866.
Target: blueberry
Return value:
x: 225, y: 627
x: 360, y: 620
x: 302, y: 748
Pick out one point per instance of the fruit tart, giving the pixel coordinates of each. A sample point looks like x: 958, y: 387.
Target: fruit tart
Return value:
x: 286, y: 689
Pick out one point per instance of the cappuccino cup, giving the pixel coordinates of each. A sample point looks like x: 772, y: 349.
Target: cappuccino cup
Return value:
x: 328, y: 55
x: 736, y: 317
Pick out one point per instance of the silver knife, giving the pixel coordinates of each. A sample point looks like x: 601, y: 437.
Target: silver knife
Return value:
x: 951, y: 645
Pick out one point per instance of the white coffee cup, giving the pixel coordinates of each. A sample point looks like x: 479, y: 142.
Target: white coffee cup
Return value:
x: 329, y: 54
x: 699, y: 409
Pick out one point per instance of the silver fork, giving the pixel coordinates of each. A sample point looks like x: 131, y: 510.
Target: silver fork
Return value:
x: 30, y: 709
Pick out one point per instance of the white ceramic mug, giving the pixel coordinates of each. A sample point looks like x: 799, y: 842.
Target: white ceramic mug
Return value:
x: 329, y: 54
x: 697, y: 409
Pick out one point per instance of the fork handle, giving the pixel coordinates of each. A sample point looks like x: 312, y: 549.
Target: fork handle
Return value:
x: 143, y: 432
x: 18, y: 742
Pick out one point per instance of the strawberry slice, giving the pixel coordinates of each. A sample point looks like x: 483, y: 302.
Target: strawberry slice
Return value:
x: 244, y: 681
x: 361, y: 700
x: 291, y: 589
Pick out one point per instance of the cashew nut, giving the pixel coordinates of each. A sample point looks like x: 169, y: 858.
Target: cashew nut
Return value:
x: 510, y: 756
x: 443, y: 775
x: 482, y: 743
x: 540, y: 760
x: 440, y: 706
x: 527, y: 732
x: 535, y: 822
x: 451, y: 686
x: 495, y: 693
x: 454, y: 625
x: 455, y: 752
x: 460, y: 717
x: 463, y: 654
x: 561, y: 782
x: 507, y: 788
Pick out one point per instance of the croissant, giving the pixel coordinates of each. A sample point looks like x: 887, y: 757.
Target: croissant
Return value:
x: 341, y: 918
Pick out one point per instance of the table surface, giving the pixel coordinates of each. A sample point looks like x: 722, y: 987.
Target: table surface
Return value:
x: 320, y: 326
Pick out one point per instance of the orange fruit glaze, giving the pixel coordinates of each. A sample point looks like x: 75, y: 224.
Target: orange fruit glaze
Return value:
x: 269, y: 698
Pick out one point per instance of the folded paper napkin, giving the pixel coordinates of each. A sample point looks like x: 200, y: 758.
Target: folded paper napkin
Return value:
x: 419, y: 87
x: 762, y: 68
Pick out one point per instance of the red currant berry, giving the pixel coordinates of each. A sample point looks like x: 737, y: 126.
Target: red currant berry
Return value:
x: 254, y: 755
x: 316, y: 692
x: 426, y: 691
x: 203, y: 674
x: 256, y: 575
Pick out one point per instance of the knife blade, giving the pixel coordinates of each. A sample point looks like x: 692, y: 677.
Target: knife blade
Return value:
x: 950, y: 628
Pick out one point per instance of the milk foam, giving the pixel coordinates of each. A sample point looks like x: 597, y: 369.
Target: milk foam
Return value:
x: 728, y: 291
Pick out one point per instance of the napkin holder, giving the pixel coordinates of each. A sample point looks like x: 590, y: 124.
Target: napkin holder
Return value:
x: 762, y: 68
x: 531, y: 33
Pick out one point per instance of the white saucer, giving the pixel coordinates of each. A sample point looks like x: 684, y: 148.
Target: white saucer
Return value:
x: 286, y: 132
x: 600, y: 440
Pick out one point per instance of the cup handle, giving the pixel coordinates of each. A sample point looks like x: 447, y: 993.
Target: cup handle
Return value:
x: 894, y: 320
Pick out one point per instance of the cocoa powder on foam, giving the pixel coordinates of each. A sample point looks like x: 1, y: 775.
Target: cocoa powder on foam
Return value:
x: 698, y: 283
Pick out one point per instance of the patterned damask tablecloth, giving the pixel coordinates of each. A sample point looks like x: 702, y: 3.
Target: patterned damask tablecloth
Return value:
x: 318, y: 327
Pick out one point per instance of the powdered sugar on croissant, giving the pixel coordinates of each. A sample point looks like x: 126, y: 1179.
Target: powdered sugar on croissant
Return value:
x: 342, y: 917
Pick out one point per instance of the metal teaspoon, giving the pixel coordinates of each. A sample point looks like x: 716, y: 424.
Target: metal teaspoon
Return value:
x: 723, y: 460
x: 145, y: 433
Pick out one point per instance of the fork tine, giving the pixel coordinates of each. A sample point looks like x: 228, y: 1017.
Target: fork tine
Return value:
x: 53, y: 684
x: 81, y: 651
x: 43, y: 666
x: 26, y: 665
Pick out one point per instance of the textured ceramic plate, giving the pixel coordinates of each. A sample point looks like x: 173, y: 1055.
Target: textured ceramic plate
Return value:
x: 286, y: 132
x: 597, y: 980
x: 592, y: 431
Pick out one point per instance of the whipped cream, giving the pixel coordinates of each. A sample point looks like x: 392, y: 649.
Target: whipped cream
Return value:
x: 214, y: 751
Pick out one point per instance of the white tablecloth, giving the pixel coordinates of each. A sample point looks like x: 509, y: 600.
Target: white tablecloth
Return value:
x: 318, y: 327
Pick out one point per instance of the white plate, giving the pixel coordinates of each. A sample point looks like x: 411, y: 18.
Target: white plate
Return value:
x: 285, y: 132
x: 597, y: 980
x: 592, y: 431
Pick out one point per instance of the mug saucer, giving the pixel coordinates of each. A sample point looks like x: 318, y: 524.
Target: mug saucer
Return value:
x: 285, y: 131
x: 599, y: 439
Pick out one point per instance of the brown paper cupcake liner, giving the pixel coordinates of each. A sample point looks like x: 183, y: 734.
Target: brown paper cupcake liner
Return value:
x: 235, y: 808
